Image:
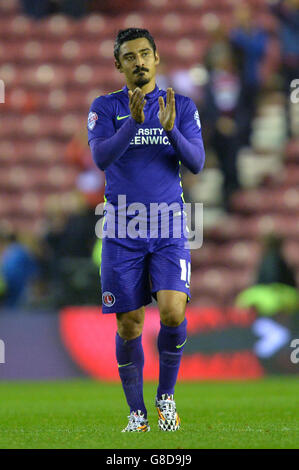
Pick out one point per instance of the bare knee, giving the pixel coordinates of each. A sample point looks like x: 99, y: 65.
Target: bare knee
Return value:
x: 172, y: 314
x: 130, y: 324
x: 172, y: 307
x: 172, y: 318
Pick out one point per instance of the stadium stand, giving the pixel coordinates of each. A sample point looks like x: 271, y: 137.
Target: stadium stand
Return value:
x: 54, y: 68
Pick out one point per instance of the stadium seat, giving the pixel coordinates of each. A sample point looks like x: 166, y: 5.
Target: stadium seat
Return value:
x: 19, y: 100
x: 267, y: 200
x: 9, y: 74
x: 292, y: 151
x: 160, y: 5
x: 94, y: 26
x: 222, y: 281
x: 239, y: 254
x: 7, y: 151
x: 56, y: 26
x: 17, y: 27
x: 204, y: 256
x: 9, y: 7
x: 184, y: 49
x: 290, y: 176
x: 291, y: 252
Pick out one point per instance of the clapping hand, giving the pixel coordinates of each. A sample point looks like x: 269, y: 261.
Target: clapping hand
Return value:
x: 136, y: 105
x: 167, y: 113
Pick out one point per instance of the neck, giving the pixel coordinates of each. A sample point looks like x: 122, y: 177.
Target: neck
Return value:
x: 147, y: 88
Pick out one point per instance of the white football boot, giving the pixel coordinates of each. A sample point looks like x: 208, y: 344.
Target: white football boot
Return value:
x: 169, y: 419
x: 137, y: 423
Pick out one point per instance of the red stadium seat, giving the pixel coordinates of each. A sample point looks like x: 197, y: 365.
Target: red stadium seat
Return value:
x: 10, y: 74
x: 184, y: 49
x: 9, y: 7
x: 96, y: 25
x: 204, y: 256
x: 291, y: 176
x: 7, y: 150
x: 160, y: 5
x: 239, y: 254
x: 267, y: 200
x: 292, y: 151
x: 56, y: 27
x: 162, y: 24
x: 291, y: 252
x: 17, y: 27
x: 231, y: 255
x: 222, y: 281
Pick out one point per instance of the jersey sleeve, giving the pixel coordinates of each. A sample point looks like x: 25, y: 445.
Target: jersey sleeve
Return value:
x: 190, y: 125
x: 100, y: 119
x: 186, y: 137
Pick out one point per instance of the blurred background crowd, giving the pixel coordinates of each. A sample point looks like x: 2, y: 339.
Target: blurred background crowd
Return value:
x: 239, y: 62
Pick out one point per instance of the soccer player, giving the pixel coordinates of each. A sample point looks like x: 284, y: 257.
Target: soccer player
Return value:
x: 139, y: 136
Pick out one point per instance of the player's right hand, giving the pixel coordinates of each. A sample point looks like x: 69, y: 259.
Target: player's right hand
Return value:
x: 136, y: 105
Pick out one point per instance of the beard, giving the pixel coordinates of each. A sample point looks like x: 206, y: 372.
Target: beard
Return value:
x: 141, y: 81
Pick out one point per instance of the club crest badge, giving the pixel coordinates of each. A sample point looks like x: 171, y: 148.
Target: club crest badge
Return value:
x: 92, y: 120
x: 108, y: 299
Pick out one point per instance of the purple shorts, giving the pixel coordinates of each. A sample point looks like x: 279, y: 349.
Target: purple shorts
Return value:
x: 133, y: 270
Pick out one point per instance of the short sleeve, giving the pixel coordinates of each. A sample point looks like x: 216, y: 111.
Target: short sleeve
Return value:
x: 190, y: 125
x: 100, y: 119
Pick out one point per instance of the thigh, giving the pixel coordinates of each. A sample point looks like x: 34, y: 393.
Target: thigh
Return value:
x: 124, y: 275
x: 170, y: 266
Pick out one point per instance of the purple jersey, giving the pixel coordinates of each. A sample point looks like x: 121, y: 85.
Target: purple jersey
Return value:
x: 142, y: 162
x: 149, y: 169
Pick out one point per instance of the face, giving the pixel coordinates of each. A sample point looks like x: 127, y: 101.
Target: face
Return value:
x: 137, y: 62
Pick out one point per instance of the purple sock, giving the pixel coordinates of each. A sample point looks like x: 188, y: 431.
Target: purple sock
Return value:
x: 130, y: 358
x: 171, y: 342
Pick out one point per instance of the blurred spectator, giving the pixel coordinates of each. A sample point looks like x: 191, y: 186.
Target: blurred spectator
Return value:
x: 250, y: 42
x: 41, y: 8
x: 36, y: 9
x: 68, y: 243
x: 72, y: 233
x: 287, y: 11
x: 275, y: 289
x: 18, y: 268
x: 288, y: 14
x: 273, y: 266
x: 114, y: 6
x: 91, y: 180
x: 220, y: 114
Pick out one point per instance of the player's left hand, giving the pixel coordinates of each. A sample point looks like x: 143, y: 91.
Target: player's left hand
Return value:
x: 167, y: 113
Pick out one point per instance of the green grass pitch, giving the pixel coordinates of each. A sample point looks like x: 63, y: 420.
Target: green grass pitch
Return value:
x: 90, y: 415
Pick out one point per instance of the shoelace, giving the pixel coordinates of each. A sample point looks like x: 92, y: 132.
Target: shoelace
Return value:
x: 134, y: 419
x: 168, y: 406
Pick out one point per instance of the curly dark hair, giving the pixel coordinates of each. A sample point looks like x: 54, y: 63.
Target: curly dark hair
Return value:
x: 129, y: 34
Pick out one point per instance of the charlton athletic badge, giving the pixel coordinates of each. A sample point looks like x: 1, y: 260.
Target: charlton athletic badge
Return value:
x: 108, y: 299
x: 92, y: 120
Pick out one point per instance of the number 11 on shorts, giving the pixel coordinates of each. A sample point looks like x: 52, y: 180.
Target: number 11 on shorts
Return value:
x: 185, y: 271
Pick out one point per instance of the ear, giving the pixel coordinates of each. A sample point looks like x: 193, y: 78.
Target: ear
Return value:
x: 118, y: 66
x: 157, y: 58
